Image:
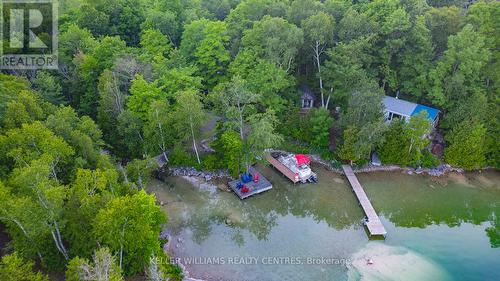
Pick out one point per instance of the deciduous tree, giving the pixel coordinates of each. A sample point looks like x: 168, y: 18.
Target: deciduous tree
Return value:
x: 276, y: 40
x: 14, y: 268
x: 142, y: 95
x: 318, y: 29
x: 129, y: 226
x: 189, y: 116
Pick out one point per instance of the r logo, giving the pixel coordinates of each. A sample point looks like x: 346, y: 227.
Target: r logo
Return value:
x: 35, y: 19
x: 28, y: 34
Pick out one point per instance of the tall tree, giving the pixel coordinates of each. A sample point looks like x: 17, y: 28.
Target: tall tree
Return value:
x: 176, y: 80
x: 157, y: 128
x: 129, y: 226
x: 14, y: 268
x: 189, y: 116
x: 142, y: 95
x: 482, y: 15
x: 234, y: 100
x: 404, y: 141
x: 155, y: 45
x: 32, y: 142
x: 272, y: 83
x: 247, y: 12
x: 364, y: 107
x: 23, y: 227
x: 364, y: 114
x: 458, y: 73
x: 80, y: 132
x: 302, y: 9
x: 349, y: 68
x: 140, y: 171
x: 393, y: 23
x: 262, y: 136
x: 48, y: 87
x: 39, y: 181
x: 416, y: 60
x: 349, y: 150
x: 111, y: 105
x: 25, y: 108
x: 102, y: 268
x: 204, y: 43
x: 442, y: 23
x: 394, y: 148
x: 131, y: 135
x: 419, y: 127
x: 320, y: 124
x: 230, y: 146
x: 88, y: 193
x: 354, y: 25
x: 466, y: 145
x: 10, y: 86
x: 318, y: 30
x: 276, y: 40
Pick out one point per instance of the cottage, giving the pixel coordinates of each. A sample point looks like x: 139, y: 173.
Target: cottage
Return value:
x: 307, y: 98
x: 398, y: 108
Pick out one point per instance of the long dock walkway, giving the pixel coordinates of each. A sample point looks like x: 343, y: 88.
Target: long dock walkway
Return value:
x: 373, y: 223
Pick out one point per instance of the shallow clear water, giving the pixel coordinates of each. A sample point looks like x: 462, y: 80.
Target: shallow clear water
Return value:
x: 438, y: 229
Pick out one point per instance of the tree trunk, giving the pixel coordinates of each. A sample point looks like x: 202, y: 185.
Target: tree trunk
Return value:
x: 318, y: 65
x: 194, y: 143
x: 18, y: 223
x: 240, y: 110
x: 59, y: 246
x: 125, y: 177
x: 121, y: 242
x: 121, y: 255
x: 58, y: 234
x: 162, y: 145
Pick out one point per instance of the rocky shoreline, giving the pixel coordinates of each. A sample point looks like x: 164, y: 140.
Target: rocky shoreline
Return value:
x: 438, y: 171
x: 224, y: 175
x: 192, y: 172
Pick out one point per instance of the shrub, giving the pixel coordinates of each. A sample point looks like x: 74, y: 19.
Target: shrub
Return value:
x: 429, y: 160
x: 179, y: 157
x: 211, y: 162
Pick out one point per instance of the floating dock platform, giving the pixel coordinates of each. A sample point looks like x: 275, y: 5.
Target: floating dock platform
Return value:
x: 373, y: 223
x: 254, y: 187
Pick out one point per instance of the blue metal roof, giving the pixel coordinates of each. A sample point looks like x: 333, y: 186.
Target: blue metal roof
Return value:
x: 432, y: 113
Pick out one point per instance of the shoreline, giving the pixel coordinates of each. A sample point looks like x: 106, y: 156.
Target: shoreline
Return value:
x: 438, y: 171
x: 165, y: 235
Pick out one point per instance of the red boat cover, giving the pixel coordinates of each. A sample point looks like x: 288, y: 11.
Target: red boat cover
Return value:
x: 302, y: 159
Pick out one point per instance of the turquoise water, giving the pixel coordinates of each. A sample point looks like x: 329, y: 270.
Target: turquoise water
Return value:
x: 438, y: 229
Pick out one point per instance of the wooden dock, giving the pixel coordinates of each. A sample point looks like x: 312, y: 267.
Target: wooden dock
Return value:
x: 255, y: 188
x: 373, y: 223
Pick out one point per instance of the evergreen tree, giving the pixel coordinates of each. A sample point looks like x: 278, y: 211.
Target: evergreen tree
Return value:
x: 466, y: 145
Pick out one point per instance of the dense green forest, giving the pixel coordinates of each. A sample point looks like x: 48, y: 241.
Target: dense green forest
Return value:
x: 139, y: 78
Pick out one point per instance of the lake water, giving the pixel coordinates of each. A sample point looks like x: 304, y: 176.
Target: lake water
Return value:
x: 438, y: 228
